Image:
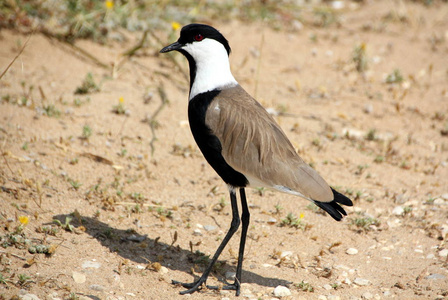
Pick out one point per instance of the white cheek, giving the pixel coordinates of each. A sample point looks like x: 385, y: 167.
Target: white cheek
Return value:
x: 212, y: 66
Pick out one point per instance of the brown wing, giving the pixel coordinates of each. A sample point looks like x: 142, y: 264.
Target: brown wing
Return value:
x: 254, y: 144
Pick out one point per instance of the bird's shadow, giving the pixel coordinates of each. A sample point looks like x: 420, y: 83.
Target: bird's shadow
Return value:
x: 126, y: 244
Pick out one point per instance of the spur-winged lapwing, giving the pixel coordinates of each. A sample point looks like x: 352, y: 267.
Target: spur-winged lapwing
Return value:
x: 241, y: 140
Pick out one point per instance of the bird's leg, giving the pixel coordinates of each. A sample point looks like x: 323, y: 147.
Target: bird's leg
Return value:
x: 245, y: 217
x: 195, y: 286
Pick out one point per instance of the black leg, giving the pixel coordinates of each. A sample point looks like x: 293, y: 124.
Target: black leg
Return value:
x: 245, y: 217
x: 195, y: 286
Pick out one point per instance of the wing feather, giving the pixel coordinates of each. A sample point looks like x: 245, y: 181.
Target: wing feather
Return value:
x: 254, y: 144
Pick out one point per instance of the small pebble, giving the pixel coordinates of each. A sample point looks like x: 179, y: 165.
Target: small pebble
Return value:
x: 286, y: 254
x: 398, y: 211
x: 163, y: 270
x: 197, y: 232
x: 209, y: 227
x: 367, y: 296
x: 78, y: 277
x: 443, y: 253
x: 439, y: 201
x: 322, y: 297
x: 361, y: 281
x: 435, y: 276
x: 97, y: 287
x: 281, y: 291
x: 272, y: 221
x: 230, y: 275
x: 328, y: 287
x: 368, y: 108
x: 333, y: 297
x: 445, y: 196
x: 29, y: 297
x: 351, y: 251
x: 91, y: 264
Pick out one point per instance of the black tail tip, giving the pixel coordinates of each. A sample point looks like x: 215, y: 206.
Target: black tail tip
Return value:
x: 333, y: 208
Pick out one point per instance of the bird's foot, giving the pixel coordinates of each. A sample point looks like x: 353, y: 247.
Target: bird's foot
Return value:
x: 192, y: 287
x: 200, y: 283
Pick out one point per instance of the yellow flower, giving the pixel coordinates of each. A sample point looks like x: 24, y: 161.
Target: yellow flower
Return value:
x: 302, y: 215
x: 24, y: 220
x: 121, y: 100
x: 109, y: 4
x: 175, y: 25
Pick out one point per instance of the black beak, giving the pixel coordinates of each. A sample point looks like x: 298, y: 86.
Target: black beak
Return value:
x: 173, y: 46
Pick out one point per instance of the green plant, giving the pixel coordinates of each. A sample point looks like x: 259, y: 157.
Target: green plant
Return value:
x: 359, y: 57
x: 394, y: 77
x: 66, y: 226
x: 86, y: 132
x: 87, y: 86
x: 364, y: 223
x: 292, y: 221
x: 304, y: 286
x: 51, y: 111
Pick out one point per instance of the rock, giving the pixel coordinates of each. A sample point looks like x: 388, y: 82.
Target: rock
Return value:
x: 281, y: 291
x: 351, y: 251
x: 367, y: 296
x: 361, y: 281
x: 209, y: 227
x: 230, y: 275
x: 368, y: 108
x: 91, y: 264
x: 272, y: 221
x: 322, y: 297
x: 197, y: 232
x: 97, y: 287
x: 430, y: 256
x: 29, y: 297
x: 443, y: 253
x: 163, y: 270
x: 328, y: 287
x: 444, y: 196
x: 333, y: 297
x: 78, y: 277
x: 439, y: 201
x: 398, y: 211
x: 435, y: 276
x: 286, y: 254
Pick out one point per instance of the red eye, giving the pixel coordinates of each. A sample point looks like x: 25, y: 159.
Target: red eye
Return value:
x: 198, y: 37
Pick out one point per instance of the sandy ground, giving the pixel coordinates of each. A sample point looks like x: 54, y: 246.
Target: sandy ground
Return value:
x: 140, y: 219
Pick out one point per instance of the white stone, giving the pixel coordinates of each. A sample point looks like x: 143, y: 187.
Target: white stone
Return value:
x: 327, y: 287
x: 163, y: 270
x: 230, y: 275
x: 361, y: 281
x: 281, y: 291
x: 398, y: 211
x: 286, y: 254
x: 367, y: 296
x: 209, y: 227
x: 197, y: 232
x: 351, y: 251
x: 443, y: 253
x: 29, y: 297
x: 90, y: 264
x: 78, y: 277
x: 439, y: 201
x: 333, y: 297
x: 445, y: 196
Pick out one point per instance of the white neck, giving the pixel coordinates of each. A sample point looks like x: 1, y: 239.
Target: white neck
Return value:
x: 212, y: 67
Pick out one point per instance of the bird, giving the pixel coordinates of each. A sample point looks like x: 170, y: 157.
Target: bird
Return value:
x: 241, y: 141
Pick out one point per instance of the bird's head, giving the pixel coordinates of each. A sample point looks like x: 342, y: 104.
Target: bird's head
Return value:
x: 199, y: 39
